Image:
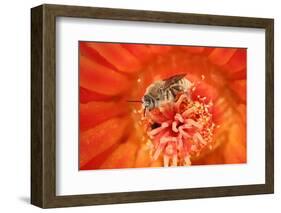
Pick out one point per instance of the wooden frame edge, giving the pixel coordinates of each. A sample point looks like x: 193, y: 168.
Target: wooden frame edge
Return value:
x: 269, y: 105
x: 36, y: 106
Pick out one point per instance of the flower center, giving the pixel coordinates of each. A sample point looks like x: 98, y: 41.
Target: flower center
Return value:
x: 180, y: 129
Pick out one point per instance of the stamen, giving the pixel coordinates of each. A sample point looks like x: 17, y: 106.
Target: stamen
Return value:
x: 158, y: 152
x: 159, y: 129
x: 166, y: 139
x: 175, y: 160
x: 187, y: 161
x: 198, y: 137
x: 174, y: 126
x: 179, y: 118
x: 194, y: 123
x: 166, y: 160
x: 187, y: 112
x: 183, y: 133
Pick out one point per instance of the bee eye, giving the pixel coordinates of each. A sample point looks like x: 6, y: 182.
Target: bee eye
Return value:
x: 146, y: 99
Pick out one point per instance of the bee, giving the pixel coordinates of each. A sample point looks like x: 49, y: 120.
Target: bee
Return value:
x: 163, y: 91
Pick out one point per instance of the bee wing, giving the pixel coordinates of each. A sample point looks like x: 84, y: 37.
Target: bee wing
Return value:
x: 172, y: 80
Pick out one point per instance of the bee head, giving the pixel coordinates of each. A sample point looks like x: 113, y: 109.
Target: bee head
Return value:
x: 148, y: 102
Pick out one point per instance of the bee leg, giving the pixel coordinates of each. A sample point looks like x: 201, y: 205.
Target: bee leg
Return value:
x: 174, y: 90
x: 167, y: 95
x: 144, y: 112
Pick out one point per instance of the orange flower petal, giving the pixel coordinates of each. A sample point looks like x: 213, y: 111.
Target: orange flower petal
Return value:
x: 239, y: 75
x: 193, y: 49
x: 123, y: 157
x: 121, y: 58
x: 94, y: 112
x: 142, y: 52
x: 208, y: 50
x: 221, y: 56
x: 237, y: 62
x: 101, y: 79
x: 205, y: 90
x: 143, y: 158
x: 96, y: 140
x: 86, y: 96
x: 235, y: 149
x: 178, y: 63
x: 157, y: 163
x: 232, y: 147
x: 239, y: 88
x: 99, y: 159
x: 242, y: 109
x: 160, y: 49
x: 92, y: 54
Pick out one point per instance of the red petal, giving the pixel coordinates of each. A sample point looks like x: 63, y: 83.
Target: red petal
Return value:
x: 141, y: 51
x: 121, y: 58
x: 143, y: 158
x: 221, y: 56
x: 237, y: 62
x: 208, y: 50
x: 239, y: 88
x: 92, y: 54
x: 101, y: 79
x: 86, y: 96
x: 94, y: 113
x: 239, y: 75
x: 205, y: 90
x: 160, y: 49
x: 96, y: 140
x: 123, y: 157
x: 195, y: 50
x: 98, y: 160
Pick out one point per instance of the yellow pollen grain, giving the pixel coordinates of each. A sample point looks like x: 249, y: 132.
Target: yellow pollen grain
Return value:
x: 203, y: 77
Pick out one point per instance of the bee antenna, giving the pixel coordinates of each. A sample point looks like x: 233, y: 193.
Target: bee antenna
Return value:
x: 135, y: 101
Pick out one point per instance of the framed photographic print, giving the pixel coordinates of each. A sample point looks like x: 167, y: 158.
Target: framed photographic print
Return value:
x: 136, y: 106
